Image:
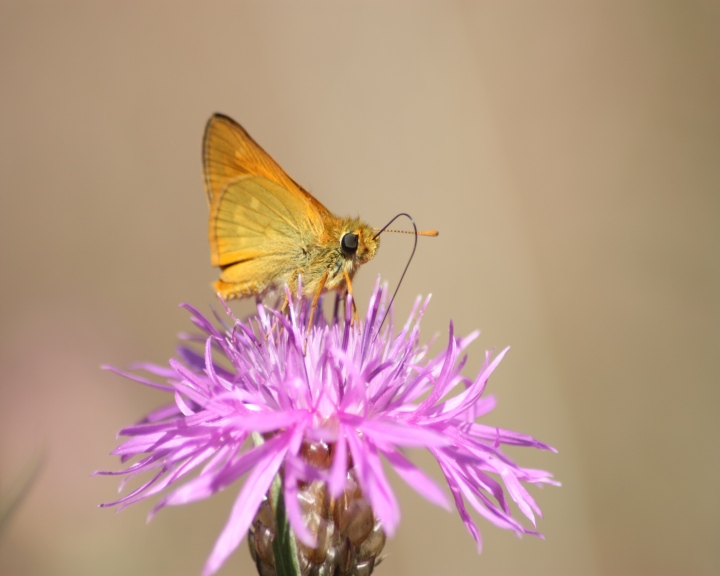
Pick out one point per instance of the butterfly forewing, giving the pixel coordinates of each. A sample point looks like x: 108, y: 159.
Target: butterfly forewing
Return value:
x: 229, y: 152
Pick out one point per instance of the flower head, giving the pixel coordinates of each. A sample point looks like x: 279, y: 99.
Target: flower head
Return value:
x: 363, y: 392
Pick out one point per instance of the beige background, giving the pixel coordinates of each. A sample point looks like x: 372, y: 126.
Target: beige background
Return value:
x: 569, y: 152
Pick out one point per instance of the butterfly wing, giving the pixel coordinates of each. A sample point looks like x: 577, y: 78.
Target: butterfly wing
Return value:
x: 229, y: 152
x: 260, y: 219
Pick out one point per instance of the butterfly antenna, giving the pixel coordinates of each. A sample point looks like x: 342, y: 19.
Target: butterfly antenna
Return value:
x: 414, y: 233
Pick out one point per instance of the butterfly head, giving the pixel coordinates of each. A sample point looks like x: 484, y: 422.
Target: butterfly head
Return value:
x: 358, y: 242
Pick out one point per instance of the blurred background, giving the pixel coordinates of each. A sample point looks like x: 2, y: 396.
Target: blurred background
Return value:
x: 569, y: 154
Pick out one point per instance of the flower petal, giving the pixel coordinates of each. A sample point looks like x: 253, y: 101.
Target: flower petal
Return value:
x: 417, y: 479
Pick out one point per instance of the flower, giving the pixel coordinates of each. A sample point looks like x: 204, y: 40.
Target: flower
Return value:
x: 362, y: 392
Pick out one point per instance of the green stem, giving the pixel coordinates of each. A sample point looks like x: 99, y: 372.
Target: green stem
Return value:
x: 284, y: 545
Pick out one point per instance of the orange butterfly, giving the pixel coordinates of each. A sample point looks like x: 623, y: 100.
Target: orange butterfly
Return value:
x: 266, y: 230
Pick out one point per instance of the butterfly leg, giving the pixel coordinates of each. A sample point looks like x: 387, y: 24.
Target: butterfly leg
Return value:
x: 321, y: 285
x: 355, y: 319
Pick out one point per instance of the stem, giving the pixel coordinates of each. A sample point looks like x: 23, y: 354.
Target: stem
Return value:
x: 284, y: 546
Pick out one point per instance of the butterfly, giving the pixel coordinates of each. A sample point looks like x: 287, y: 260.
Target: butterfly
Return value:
x: 266, y: 231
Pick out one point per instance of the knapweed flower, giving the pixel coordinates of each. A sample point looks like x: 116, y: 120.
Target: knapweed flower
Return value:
x: 325, y: 408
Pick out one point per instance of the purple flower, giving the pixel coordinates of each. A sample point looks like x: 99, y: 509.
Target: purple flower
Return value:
x: 365, y: 392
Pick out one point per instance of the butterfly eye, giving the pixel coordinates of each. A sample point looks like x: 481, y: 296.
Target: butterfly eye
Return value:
x: 349, y: 243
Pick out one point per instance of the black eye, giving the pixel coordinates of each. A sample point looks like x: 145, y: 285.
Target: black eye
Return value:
x: 349, y: 243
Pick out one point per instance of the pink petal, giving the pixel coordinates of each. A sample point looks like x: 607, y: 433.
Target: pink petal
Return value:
x: 417, y: 479
x: 338, y: 470
x: 403, y: 434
